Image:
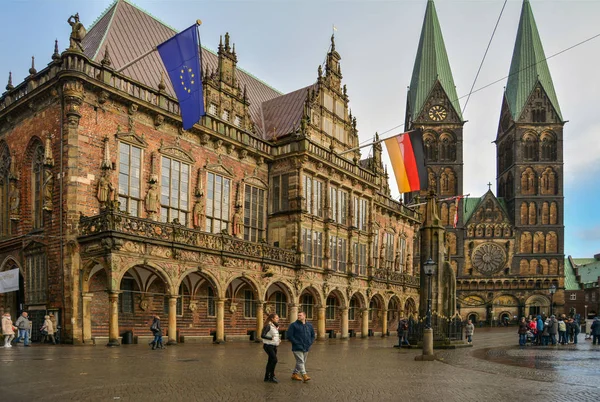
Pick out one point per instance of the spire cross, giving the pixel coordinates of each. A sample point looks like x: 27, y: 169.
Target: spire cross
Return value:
x: 489, y: 186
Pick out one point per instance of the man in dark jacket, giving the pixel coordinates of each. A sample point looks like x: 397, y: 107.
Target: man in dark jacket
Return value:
x: 595, y: 331
x: 302, y: 335
x: 553, y: 329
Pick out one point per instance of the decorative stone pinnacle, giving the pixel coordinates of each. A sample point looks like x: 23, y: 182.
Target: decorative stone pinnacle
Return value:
x: 227, y: 48
x: 106, y: 59
x: 162, y: 85
x: 320, y: 71
x: 55, y: 55
x: 9, y: 86
x: 332, y: 42
x: 32, y: 70
x: 106, y: 164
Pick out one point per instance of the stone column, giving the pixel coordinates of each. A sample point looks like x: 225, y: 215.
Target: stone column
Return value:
x: 321, y: 323
x: 87, y: 317
x: 293, y: 312
x: 113, y: 320
x: 364, y: 328
x: 344, y: 322
x: 384, y: 323
x: 220, y: 321
x: 259, y: 320
x: 172, y: 320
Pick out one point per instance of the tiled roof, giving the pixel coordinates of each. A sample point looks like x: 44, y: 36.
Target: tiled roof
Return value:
x: 129, y: 32
x: 589, y: 273
x: 469, y: 205
x: 570, y: 278
x: 282, y: 114
x: 431, y: 65
x: 528, y: 66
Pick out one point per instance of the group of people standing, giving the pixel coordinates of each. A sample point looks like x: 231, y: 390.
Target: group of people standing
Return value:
x: 543, y: 331
x: 22, y: 327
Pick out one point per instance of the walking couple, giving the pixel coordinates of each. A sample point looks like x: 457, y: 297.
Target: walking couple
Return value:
x: 300, y: 333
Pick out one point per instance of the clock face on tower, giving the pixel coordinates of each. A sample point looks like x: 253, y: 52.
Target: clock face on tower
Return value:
x: 437, y: 113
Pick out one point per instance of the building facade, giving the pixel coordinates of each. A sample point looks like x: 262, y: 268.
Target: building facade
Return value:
x: 112, y: 212
x: 582, y: 286
x: 506, y: 249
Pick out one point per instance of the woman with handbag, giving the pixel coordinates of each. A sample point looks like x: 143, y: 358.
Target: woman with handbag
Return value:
x: 48, y: 330
x: 270, y: 338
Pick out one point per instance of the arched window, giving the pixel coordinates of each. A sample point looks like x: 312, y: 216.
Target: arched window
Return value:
x: 548, y: 148
x: 37, y: 187
x: 447, y: 148
x: 529, y: 147
x: 4, y: 190
x: 430, y: 145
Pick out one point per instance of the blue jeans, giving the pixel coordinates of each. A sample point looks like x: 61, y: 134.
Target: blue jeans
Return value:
x: 24, y: 334
x: 562, y: 337
x: 469, y: 338
x: 522, y: 339
x: 553, y: 339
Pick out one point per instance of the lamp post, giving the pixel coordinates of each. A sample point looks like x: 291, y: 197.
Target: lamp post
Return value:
x: 428, y: 269
x: 585, y: 316
x: 552, y: 290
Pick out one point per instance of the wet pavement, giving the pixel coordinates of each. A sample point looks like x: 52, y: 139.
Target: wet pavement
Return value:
x: 356, y: 370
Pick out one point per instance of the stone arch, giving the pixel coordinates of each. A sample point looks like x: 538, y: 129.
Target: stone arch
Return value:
x: 447, y: 147
x: 526, y: 243
x: 334, y: 302
x: 553, y: 213
x: 537, y: 301
x: 431, y: 180
x: 545, y: 213
x: 553, y: 269
x: 530, y: 146
x: 534, y: 267
x: 528, y: 181
x: 202, y: 273
x: 241, y: 306
x: 524, y: 214
x: 447, y: 181
x: 506, y: 299
x: 532, y: 213
x: 551, y: 242
x: 278, y: 297
x: 538, y: 242
x: 308, y: 305
x: 430, y: 146
x: 91, y: 268
x: 10, y: 260
x: 548, y: 182
x: 524, y: 267
x: 548, y: 146
x: 117, y: 277
x: 410, y: 307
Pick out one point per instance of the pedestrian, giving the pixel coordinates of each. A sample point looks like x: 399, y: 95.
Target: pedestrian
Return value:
x: 302, y: 335
x: 545, y: 334
x: 540, y: 329
x: 157, y: 343
x: 47, y: 330
x: 403, y: 332
x: 8, y: 330
x: 562, y: 331
x: 55, y: 326
x: 595, y: 331
x: 270, y: 338
x: 576, y: 330
x: 523, y: 328
x: 24, y: 326
x: 553, y: 329
x: 469, y: 329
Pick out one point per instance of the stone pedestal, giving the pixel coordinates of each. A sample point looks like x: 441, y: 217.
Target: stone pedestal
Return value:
x: 364, y: 328
x: 220, y: 338
x: 427, y: 346
x: 113, y: 321
x: 345, y: 323
x: 172, y: 320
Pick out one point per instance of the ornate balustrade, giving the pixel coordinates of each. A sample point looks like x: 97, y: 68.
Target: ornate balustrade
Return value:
x: 109, y: 221
x: 399, y: 278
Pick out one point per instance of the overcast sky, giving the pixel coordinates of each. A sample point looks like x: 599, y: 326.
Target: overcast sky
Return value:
x: 283, y: 43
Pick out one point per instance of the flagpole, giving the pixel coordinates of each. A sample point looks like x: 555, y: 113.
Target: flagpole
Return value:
x: 154, y: 49
x: 373, y: 143
x: 443, y: 199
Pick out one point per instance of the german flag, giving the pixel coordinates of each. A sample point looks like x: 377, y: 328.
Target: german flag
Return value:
x: 408, y: 160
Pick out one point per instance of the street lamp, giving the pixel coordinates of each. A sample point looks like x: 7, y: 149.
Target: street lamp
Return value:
x: 429, y: 269
x: 552, y: 290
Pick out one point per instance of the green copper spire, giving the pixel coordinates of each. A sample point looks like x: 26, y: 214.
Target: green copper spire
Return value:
x: 431, y: 65
x: 528, y: 66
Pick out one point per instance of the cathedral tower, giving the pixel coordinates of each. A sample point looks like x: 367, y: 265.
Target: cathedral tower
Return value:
x: 530, y: 159
x: 433, y: 106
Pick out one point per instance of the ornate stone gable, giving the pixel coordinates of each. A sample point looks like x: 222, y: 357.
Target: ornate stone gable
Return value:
x: 219, y: 168
x: 131, y: 138
x: 538, y: 108
x: 431, y: 108
x: 176, y: 152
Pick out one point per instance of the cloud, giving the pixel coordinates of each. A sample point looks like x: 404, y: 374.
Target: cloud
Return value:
x: 581, y: 152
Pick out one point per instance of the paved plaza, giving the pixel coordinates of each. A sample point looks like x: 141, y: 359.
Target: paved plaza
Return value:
x: 355, y: 370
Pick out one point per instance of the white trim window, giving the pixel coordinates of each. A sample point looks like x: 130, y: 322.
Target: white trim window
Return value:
x: 174, y: 190
x: 313, y: 194
x: 312, y: 242
x: 130, y: 165
x: 337, y: 252
x: 254, y: 213
x: 338, y: 200
x: 217, y: 203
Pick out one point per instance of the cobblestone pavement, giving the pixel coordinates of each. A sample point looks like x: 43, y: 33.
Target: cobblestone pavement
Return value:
x: 355, y: 370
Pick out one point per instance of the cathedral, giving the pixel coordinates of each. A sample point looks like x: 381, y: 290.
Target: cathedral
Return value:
x: 112, y: 212
x: 505, y: 250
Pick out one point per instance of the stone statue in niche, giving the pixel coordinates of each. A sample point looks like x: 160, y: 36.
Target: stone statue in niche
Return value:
x: 152, y: 200
x: 48, y: 189
x: 238, y: 222
x: 105, y: 189
x: 198, y: 213
x: 14, y: 200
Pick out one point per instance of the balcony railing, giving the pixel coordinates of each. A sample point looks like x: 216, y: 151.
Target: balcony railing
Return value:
x: 109, y: 221
x: 385, y: 275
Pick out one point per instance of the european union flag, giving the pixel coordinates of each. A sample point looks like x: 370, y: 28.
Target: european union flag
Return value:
x: 181, y: 57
